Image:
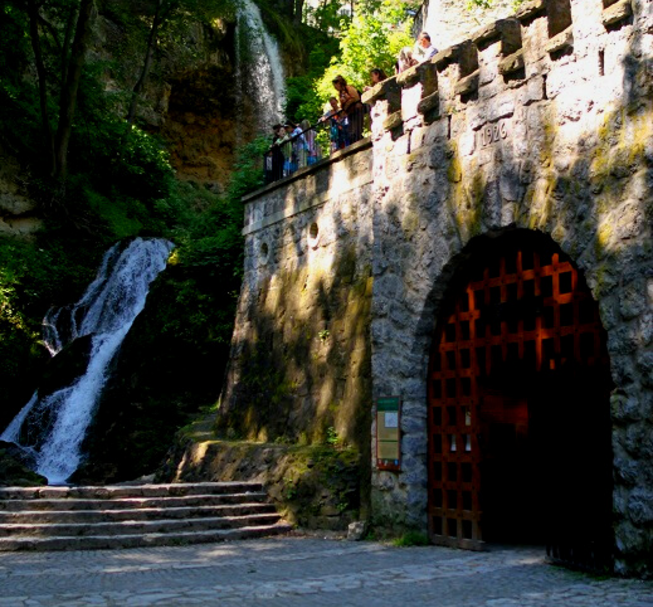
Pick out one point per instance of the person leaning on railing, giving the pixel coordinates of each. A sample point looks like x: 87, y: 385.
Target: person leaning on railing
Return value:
x: 337, y: 120
x: 350, y: 102
x: 423, y: 49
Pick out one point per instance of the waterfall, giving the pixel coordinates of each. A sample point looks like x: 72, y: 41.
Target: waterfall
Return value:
x: 53, y: 427
x: 264, y: 80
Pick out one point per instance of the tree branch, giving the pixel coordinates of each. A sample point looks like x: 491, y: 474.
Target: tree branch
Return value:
x: 33, y: 13
x: 71, y: 86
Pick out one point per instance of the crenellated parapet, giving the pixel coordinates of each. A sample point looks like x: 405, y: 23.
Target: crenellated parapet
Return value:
x: 501, y: 59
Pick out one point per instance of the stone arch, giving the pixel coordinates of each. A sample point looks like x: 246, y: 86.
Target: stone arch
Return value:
x: 495, y: 441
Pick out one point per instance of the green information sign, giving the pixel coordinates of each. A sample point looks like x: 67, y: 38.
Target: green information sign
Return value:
x: 388, y: 433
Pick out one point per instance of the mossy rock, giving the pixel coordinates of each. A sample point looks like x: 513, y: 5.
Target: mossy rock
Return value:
x: 66, y: 366
x: 13, y: 471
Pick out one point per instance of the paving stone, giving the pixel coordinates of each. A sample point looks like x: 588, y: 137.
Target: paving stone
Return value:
x: 304, y: 572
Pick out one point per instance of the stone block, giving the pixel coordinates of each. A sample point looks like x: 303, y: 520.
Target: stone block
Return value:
x: 640, y: 506
x: 508, y: 31
x: 562, y: 42
x: 617, y: 12
x: 467, y: 84
x: 393, y: 121
x: 357, y: 530
x: 633, y: 299
x: 530, y: 10
x: 512, y: 63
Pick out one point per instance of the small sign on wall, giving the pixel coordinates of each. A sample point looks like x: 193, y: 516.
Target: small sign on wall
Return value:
x: 388, y: 433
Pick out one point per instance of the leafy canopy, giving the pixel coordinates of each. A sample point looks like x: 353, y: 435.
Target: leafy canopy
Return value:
x: 371, y: 39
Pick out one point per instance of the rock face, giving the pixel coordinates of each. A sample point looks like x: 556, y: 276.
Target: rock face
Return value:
x: 146, y: 398
x: 541, y: 123
x: 447, y: 22
x: 189, y: 98
x: 17, y: 212
x: 15, y: 468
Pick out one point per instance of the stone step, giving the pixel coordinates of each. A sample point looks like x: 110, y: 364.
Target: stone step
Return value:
x: 90, y: 515
x: 60, y: 518
x: 130, y: 527
x: 117, y: 491
x: 97, y: 542
x: 124, y: 503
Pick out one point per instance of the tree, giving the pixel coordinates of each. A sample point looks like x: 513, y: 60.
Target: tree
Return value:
x: 79, y: 19
x: 372, y: 39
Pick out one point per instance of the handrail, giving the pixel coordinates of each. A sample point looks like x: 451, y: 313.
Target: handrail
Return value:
x: 294, y: 152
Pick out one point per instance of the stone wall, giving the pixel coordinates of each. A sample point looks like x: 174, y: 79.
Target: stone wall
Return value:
x: 450, y: 21
x: 542, y: 122
x: 300, y: 362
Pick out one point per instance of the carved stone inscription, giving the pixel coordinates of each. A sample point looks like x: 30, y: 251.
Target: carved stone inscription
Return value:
x: 492, y: 133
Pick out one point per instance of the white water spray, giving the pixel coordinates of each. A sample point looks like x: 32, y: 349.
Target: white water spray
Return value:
x: 105, y: 313
x: 266, y: 81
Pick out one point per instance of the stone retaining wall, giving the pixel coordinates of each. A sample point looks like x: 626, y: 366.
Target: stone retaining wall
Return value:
x: 299, y: 369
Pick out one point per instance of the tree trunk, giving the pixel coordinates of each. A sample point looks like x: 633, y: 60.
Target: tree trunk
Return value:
x: 299, y: 9
x: 70, y: 29
x: 138, y: 87
x: 33, y: 12
x: 71, y: 86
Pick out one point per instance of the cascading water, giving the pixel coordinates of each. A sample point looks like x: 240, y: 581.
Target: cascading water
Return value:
x: 259, y: 69
x: 52, y: 428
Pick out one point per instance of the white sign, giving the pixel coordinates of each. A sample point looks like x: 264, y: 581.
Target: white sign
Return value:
x: 391, y: 419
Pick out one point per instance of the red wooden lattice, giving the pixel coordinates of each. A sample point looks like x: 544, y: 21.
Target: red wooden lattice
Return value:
x: 522, y: 311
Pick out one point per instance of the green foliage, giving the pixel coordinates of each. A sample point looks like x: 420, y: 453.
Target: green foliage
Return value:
x: 326, y: 16
x: 332, y: 437
x: 483, y: 4
x: 301, y: 100
x: 374, y: 37
x: 411, y: 538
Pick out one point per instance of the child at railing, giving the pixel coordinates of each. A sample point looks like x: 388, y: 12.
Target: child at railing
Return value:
x: 310, y: 152
x: 337, y: 125
x: 290, y: 147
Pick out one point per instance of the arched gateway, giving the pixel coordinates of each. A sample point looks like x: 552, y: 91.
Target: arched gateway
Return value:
x: 518, y: 405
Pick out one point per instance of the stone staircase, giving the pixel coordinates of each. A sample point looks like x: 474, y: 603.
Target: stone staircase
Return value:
x: 131, y: 516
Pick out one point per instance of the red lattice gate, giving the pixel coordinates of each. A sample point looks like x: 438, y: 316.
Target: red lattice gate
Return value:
x: 519, y: 430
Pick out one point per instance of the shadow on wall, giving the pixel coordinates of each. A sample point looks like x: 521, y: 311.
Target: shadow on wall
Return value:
x: 590, y: 187
x: 299, y: 368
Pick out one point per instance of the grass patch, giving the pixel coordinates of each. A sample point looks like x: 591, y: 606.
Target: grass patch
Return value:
x: 411, y: 538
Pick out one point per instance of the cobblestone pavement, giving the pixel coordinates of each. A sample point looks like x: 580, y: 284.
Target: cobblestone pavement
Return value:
x: 305, y: 572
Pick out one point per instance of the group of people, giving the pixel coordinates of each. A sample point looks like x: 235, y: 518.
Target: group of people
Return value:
x: 295, y: 146
x: 410, y: 56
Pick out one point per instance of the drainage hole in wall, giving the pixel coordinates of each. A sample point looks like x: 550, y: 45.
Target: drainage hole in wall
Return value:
x: 313, y: 235
x: 265, y: 251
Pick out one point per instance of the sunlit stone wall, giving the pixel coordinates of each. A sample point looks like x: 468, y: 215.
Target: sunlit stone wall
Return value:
x: 299, y: 369
x: 543, y: 121
x: 450, y: 21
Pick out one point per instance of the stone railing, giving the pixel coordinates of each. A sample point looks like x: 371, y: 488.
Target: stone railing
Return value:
x: 495, y: 59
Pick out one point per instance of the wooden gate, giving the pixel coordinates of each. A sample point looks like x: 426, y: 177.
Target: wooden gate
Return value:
x: 519, y: 368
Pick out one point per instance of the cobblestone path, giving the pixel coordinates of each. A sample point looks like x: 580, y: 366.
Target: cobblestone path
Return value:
x: 305, y: 572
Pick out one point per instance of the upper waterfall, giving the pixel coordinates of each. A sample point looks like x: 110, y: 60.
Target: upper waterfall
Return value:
x: 264, y: 81
x: 53, y: 426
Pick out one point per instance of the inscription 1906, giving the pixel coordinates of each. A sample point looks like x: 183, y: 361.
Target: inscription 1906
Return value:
x: 491, y: 133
